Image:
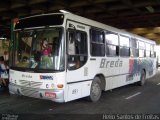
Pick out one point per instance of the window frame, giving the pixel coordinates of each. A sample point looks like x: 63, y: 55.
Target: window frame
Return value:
x: 101, y: 43
x: 144, y: 49
x: 152, y: 48
x: 148, y: 50
x: 76, y: 56
x: 128, y: 47
x: 136, y: 48
x: 111, y: 44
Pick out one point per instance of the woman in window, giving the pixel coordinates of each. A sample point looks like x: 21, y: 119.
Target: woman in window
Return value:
x: 46, y: 53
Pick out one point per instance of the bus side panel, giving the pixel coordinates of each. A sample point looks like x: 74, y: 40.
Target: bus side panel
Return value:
x: 149, y: 64
x: 113, y: 82
x: 78, y: 90
x: 129, y: 72
x: 114, y: 69
x: 118, y: 81
x: 158, y: 54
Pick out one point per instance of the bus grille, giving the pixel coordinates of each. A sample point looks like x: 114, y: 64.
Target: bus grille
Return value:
x: 28, y: 92
x: 31, y: 84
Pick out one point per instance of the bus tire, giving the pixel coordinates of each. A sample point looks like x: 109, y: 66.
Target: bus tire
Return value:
x: 142, y: 78
x: 96, y: 90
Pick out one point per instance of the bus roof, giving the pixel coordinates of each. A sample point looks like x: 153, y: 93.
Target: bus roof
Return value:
x: 105, y: 27
x: 93, y: 23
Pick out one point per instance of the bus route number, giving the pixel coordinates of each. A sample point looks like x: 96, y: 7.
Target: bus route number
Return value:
x: 74, y: 91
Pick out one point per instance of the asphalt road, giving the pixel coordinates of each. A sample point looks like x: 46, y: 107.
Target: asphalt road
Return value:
x: 130, y: 99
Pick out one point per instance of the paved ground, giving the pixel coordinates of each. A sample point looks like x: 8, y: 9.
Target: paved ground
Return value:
x: 131, y: 99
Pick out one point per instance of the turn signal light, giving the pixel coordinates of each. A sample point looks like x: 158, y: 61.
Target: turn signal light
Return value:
x: 60, y: 85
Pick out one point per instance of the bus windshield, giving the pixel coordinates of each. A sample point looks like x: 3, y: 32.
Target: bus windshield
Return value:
x: 39, y: 49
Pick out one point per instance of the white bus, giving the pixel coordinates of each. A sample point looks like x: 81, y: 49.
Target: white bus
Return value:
x: 158, y: 54
x: 85, y: 57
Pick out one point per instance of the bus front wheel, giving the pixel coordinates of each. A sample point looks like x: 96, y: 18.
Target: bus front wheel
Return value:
x: 96, y: 90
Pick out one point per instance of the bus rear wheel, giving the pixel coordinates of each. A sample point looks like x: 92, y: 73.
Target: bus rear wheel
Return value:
x: 142, y: 79
x: 96, y: 90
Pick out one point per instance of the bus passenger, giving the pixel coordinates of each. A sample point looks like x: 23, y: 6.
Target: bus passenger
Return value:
x: 3, y: 72
x: 46, y: 54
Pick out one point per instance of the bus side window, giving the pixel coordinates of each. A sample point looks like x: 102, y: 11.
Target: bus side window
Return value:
x: 97, y: 43
x: 71, y: 43
x: 124, y: 46
x: 134, y: 52
x: 112, y: 47
x: 141, y: 49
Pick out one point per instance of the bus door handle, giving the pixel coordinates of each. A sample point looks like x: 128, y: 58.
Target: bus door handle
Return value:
x: 92, y: 58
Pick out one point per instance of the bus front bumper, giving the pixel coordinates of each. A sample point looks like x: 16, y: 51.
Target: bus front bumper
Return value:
x: 49, y: 94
